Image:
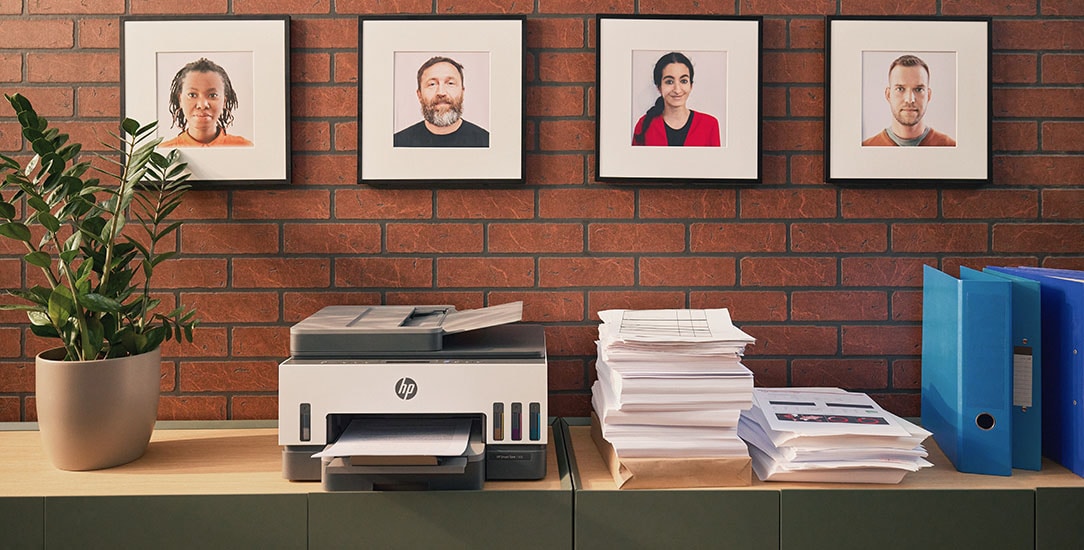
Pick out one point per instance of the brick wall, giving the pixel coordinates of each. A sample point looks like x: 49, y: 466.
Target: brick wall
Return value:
x: 828, y: 279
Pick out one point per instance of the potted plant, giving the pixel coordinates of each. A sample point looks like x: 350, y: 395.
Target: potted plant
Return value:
x: 97, y: 247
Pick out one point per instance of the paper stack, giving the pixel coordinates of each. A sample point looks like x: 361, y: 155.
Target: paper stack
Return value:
x: 671, y: 383
x: 829, y: 435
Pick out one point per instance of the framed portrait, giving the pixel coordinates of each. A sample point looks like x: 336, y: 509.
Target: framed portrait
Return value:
x: 441, y: 100
x: 908, y: 101
x: 219, y: 89
x: 678, y: 99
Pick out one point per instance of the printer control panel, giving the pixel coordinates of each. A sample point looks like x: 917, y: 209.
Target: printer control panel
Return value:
x: 511, y: 428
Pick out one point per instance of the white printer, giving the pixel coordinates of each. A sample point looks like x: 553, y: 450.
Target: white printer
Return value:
x: 389, y: 368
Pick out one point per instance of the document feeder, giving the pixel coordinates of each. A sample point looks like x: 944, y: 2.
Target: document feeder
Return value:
x: 396, y: 362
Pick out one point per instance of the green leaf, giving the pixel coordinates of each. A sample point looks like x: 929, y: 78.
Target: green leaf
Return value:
x: 49, y: 221
x: 129, y: 126
x: 15, y: 230
x: 44, y: 331
x: 61, y: 306
x: 97, y: 302
x: 39, y: 259
x: 39, y: 318
x: 7, y: 210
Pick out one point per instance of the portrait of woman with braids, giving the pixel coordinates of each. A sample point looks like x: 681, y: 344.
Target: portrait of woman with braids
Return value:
x: 670, y: 122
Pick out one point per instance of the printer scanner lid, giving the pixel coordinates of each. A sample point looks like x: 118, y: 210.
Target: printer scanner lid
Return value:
x: 337, y: 331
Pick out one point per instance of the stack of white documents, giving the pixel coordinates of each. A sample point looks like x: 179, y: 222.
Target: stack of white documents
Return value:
x: 671, y: 383
x: 829, y: 435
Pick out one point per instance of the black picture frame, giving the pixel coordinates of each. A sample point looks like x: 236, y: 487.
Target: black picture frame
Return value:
x: 723, y: 147
x: 251, y: 54
x: 954, y: 114
x: 488, y: 142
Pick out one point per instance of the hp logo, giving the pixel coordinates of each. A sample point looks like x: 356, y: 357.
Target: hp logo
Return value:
x: 406, y: 388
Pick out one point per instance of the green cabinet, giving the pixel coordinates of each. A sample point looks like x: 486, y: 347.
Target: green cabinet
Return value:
x: 22, y: 522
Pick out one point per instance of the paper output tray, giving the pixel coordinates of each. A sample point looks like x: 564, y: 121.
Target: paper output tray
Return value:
x: 459, y: 473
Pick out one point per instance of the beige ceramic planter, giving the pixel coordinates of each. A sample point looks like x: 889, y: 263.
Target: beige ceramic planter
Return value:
x: 96, y: 414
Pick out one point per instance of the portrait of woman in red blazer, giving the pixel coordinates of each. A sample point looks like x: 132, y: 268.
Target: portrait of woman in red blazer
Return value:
x: 670, y: 122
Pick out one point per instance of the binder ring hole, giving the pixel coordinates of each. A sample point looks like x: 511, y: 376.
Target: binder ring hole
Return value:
x: 985, y: 421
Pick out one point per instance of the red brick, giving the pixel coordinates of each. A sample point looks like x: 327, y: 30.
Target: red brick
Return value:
x: 767, y: 373
x: 849, y: 374
x: 184, y: 272
x: 686, y: 7
x: 206, y: 342
x: 566, y: 375
x: 346, y: 136
x: 323, y: 33
x: 203, y: 204
x: 545, y: 306
x: 586, y: 203
x: 281, y: 273
x: 324, y: 101
x: 1063, y: 204
x: 462, y: 300
x: 305, y: 204
x: 566, y: 135
x: 1063, y: 136
x: 1032, y: 34
x: 555, y: 32
x: 11, y: 7
x: 1063, y: 68
x: 793, y: 135
x: 687, y: 203
x: 951, y: 264
x: 17, y: 377
x: 882, y: 340
x: 1076, y: 263
x: 485, y: 272
x: 1062, y: 7
x: 774, y: 33
x: 570, y: 404
x: 792, y: 339
x: 839, y: 305
x: 98, y: 101
x: 793, y: 67
x: 489, y: 204
x: 57, y: 7
x: 1039, y: 170
x: 795, y: 203
x: 207, y: 376
x: 234, y: 307
x: 37, y: 33
x: 310, y: 67
x: 888, y: 203
x: 331, y: 238
x: 1016, y: 136
x: 635, y: 237
x: 838, y: 237
x: 11, y: 272
x: 435, y: 238
x: 490, y: 6
x: 233, y: 238
x: 566, y: 7
x: 1050, y: 238
x: 571, y: 340
x: 170, y: 7
x: 99, y: 33
x: 11, y: 67
x: 535, y: 238
x: 191, y: 407
x: 566, y: 67
x: 939, y: 237
x: 383, y: 272
x: 907, y: 305
x: 72, y: 67
x: 325, y: 169
x: 345, y: 66
x: 370, y: 204
x: 788, y: 271
x: 260, y: 341
x: 906, y: 374
x: 793, y: 7
x: 907, y: 405
x: 1017, y: 68
x: 804, y: 169
x: 585, y: 271
x: 744, y: 305
x: 1037, y: 102
x: 807, y: 101
x: 806, y: 33
x: 889, y: 7
x: 685, y: 272
x: 555, y: 169
x: 367, y: 7
x: 985, y: 7
x: 602, y: 300
x: 737, y: 237
x: 555, y: 101
x: 299, y: 305
x: 989, y: 203
x: 10, y: 409
x: 282, y: 6
x: 892, y: 272
x: 47, y: 102
x: 254, y: 407
x: 310, y: 136
x: 773, y: 101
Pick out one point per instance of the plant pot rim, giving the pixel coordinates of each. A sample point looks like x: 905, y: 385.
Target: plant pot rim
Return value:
x: 57, y: 354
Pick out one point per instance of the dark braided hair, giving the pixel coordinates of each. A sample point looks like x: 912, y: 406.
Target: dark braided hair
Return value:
x: 656, y: 109
x: 201, y: 65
